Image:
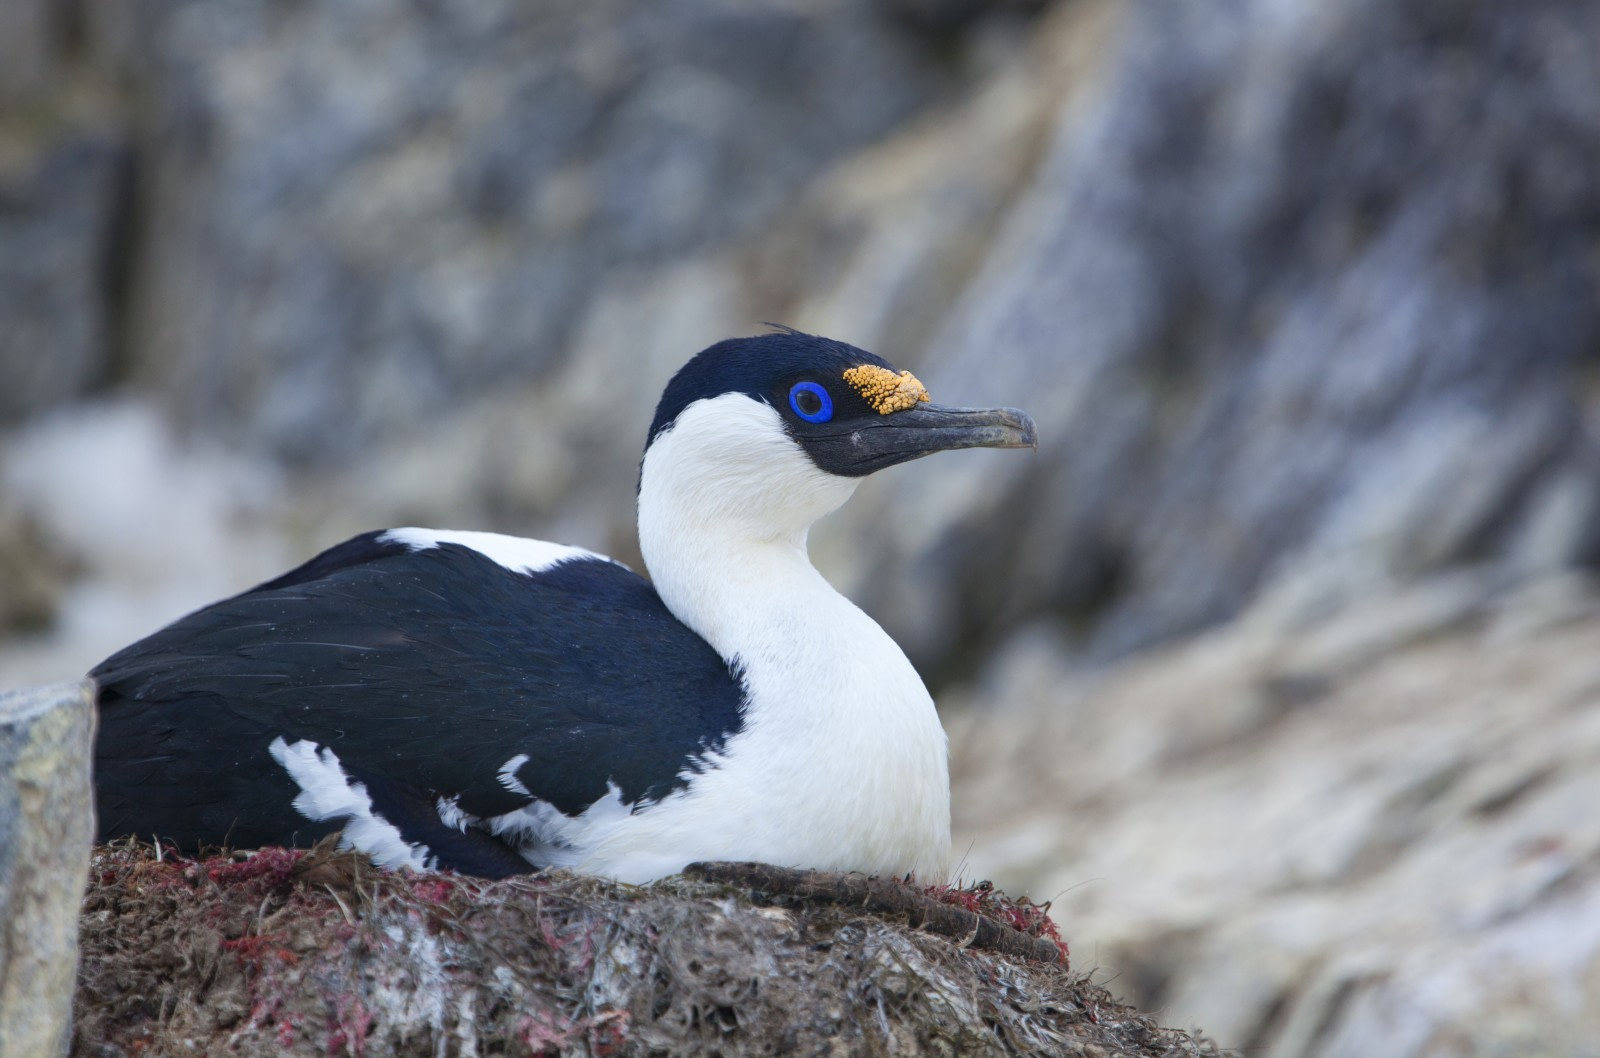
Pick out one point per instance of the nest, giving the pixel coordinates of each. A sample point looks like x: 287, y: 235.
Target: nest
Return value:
x: 287, y: 952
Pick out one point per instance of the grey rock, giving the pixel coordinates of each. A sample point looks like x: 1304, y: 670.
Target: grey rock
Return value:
x: 1374, y: 836
x: 46, y: 831
x: 60, y: 193
x: 881, y: 246
x: 34, y: 573
x: 1295, y: 288
x: 27, y: 49
x: 360, y: 215
x: 1276, y: 349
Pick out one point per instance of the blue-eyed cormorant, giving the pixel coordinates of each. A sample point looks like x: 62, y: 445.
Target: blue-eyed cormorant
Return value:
x: 492, y: 704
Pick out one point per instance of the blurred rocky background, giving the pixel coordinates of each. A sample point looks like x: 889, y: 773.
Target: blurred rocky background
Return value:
x: 1277, y: 668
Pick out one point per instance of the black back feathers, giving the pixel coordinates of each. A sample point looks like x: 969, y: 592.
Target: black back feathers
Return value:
x: 433, y: 668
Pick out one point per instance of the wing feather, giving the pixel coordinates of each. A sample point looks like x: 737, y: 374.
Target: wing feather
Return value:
x: 432, y: 668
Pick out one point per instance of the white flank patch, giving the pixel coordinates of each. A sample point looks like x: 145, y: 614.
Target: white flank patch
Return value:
x: 508, y: 775
x: 326, y: 792
x: 451, y: 815
x: 516, y: 553
x: 546, y: 837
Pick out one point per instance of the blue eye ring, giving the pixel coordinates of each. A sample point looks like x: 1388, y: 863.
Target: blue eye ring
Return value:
x: 822, y: 412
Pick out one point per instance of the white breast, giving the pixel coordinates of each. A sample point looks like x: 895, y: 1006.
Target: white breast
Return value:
x: 842, y: 761
x: 841, y: 765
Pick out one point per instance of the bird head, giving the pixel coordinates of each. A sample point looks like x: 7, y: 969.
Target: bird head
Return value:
x: 772, y: 432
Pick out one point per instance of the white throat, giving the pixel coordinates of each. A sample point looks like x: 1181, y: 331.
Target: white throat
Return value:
x: 726, y: 499
x: 842, y: 759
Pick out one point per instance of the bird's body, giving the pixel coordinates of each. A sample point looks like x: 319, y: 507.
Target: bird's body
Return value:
x: 492, y: 704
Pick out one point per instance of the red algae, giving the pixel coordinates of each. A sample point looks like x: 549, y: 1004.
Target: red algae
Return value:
x: 1020, y: 913
x: 274, y: 866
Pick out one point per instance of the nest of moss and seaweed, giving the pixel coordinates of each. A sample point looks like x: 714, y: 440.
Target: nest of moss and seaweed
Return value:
x: 289, y: 952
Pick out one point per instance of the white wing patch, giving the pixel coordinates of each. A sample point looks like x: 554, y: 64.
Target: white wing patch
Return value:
x: 452, y: 815
x: 508, y: 775
x: 515, y: 553
x: 326, y: 792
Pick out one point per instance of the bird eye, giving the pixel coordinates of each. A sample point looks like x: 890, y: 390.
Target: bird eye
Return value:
x: 811, y: 402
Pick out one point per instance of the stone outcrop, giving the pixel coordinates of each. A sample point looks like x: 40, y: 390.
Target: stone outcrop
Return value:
x: 1375, y: 834
x: 1301, y: 295
x: 355, y: 217
x: 60, y: 202
x: 46, y: 830
x: 1302, y: 300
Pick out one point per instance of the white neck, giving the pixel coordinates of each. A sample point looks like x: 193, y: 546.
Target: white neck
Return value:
x: 840, y: 727
x: 725, y: 502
